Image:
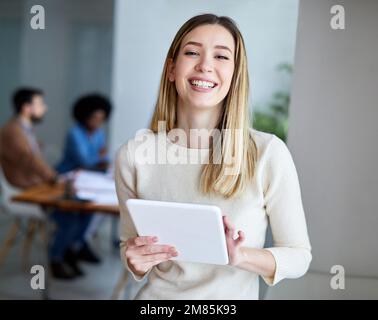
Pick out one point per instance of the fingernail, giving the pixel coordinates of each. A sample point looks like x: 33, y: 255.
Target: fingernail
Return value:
x: 154, y: 239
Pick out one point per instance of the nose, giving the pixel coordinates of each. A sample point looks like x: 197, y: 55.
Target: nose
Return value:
x: 204, y: 65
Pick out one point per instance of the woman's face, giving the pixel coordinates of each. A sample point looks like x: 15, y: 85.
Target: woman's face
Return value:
x: 95, y: 120
x: 204, y: 67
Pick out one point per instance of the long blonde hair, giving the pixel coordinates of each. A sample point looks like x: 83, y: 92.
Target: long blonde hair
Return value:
x: 235, y: 115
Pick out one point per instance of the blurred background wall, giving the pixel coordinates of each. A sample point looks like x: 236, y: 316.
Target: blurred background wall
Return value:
x: 333, y: 137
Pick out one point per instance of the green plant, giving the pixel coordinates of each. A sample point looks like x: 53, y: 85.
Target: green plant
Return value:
x: 275, y: 119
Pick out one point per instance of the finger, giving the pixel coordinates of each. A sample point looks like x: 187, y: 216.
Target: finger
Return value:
x: 163, y: 260
x: 149, y: 265
x: 228, y: 222
x: 150, y: 249
x: 230, y: 229
x: 230, y: 232
x: 241, y: 236
x: 224, y: 224
x: 157, y: 257
x: 140, y: 241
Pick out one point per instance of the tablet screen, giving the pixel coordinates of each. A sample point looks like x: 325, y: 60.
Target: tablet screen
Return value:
x: 195, y: 230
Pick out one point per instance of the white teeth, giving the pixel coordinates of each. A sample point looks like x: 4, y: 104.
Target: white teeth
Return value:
x: 202, y: 84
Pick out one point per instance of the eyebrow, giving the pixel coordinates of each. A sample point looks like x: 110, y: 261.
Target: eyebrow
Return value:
x: 198, y: 44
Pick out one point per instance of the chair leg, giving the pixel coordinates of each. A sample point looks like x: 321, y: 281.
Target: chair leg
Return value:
x: 9, y: 240
x: 120, y: 286
x: 32, y: 224
x: 43, y: 233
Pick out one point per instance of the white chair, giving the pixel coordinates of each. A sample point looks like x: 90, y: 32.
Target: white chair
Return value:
x: 34, y: 215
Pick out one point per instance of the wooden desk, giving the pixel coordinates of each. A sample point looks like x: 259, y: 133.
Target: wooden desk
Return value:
x: 51, y: 196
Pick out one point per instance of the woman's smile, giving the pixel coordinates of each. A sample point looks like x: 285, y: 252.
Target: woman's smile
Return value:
x: 201, y: 84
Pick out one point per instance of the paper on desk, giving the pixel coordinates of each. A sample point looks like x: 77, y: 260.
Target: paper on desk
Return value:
x: 96, y: 187
x: 89, y: 180
x: 106, y: 198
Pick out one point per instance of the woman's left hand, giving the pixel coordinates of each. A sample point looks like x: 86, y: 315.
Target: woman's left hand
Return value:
x: 233, y: 245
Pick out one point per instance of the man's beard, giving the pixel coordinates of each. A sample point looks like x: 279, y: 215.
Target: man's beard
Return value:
x: 36, y: 120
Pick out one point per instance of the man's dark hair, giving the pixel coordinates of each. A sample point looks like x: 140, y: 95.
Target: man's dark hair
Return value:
x: 22, y: 96
x: 88, y: 104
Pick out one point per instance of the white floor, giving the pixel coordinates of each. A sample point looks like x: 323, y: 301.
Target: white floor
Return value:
x: 316, y: 286
x: 98, y: 282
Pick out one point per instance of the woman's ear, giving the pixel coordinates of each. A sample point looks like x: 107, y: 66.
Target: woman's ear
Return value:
x: 171, y: 70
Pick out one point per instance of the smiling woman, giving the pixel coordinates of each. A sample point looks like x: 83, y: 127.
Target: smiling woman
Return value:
x: 204, y: 86
x: 210, y: 48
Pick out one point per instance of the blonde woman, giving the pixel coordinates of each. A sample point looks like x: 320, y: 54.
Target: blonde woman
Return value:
x: 204, y: 86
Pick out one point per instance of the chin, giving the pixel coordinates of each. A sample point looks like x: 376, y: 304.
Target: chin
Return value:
x: 203, y: 104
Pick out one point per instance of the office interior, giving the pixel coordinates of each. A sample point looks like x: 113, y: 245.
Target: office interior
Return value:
x: 117, y: 48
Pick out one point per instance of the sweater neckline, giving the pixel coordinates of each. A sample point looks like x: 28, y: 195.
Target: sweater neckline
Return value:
x: 191, y: 156
x: 190, y: 150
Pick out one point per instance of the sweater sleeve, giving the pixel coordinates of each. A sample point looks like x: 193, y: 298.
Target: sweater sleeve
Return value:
x: 125, y: 180
x: 283, y: 205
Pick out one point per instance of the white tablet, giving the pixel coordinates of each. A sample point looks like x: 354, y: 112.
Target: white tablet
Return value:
x: 195, y: 230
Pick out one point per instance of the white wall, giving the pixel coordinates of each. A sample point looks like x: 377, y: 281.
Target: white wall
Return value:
x: 44, y: 59
x: 10, y: 40
x: 333, y: 137
x: 144, y: 30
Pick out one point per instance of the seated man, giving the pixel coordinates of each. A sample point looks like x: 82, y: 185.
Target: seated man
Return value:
x: 20, y: 154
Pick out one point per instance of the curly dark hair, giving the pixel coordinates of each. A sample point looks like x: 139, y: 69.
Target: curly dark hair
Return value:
x: 88, y: 104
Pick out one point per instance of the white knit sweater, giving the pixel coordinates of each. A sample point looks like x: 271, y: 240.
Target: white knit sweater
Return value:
x: 273, y: 197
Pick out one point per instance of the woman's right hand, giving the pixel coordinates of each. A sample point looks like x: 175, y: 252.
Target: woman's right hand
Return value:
x: 142, y: 253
